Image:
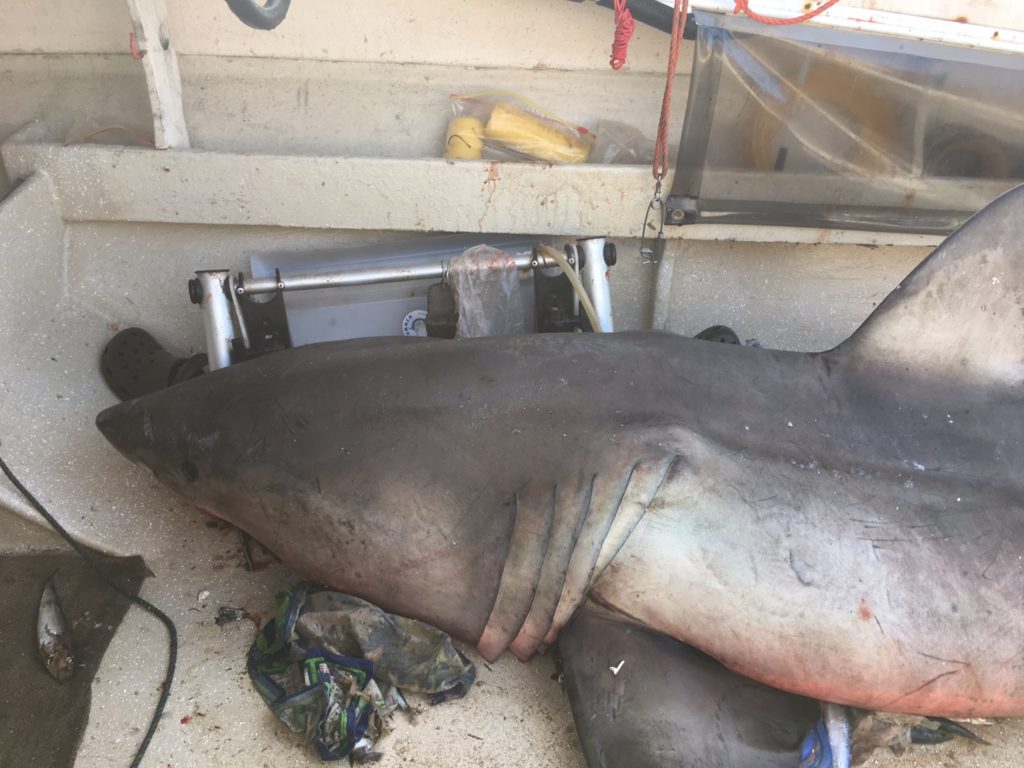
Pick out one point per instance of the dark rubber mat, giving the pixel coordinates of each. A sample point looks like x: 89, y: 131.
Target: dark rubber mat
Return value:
x: 42, y: 720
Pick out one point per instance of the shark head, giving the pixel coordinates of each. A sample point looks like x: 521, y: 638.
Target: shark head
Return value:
x: 159, y: 433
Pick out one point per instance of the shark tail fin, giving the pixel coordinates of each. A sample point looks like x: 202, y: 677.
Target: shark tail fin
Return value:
x: 961, y: 311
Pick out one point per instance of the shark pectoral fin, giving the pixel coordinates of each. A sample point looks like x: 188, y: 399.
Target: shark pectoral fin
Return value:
x: 647, y: 701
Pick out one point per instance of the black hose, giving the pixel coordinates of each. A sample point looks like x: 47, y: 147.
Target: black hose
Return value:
x: 172, y: 633
x: 649, y: 12
x: 259, y: 15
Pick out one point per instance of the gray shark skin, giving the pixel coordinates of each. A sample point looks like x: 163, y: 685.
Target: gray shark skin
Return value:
x: 847, y: 526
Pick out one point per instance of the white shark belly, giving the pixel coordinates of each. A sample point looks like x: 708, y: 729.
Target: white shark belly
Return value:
x: 881, y: 589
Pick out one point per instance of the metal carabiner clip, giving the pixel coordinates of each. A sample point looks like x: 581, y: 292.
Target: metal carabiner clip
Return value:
x: 654, y: 255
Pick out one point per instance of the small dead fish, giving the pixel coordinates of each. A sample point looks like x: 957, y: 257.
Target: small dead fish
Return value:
x: 937, y: 730
x: 897, y: 732
x: 53, y: 636
x: 393, y: 699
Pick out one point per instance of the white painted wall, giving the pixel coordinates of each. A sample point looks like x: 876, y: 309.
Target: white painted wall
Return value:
x: 519, y: 33
x: 351, y: 78
x: 992, y: 13
x: 372, y: 79
x: 527, y: 34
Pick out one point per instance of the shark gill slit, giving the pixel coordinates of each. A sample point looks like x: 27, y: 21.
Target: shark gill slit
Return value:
x: 534, y: 511
x: 546, y: 578
x: 572, y: 504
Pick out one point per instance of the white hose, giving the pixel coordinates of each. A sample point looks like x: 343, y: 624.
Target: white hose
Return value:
x: 552, y: 253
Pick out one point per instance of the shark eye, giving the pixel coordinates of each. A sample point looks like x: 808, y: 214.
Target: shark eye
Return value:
x: 190, y: 471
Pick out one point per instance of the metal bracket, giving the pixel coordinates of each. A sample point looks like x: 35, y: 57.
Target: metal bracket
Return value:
x: 682, y: 206
x: 241, y: 323
x: 681, y: 210
x: 553, y: 299
x: 264, y: 324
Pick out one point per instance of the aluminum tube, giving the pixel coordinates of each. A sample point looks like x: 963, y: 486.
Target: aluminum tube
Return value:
x: 661, y: 292
x: 574, y: 259
x: 595, y: 280
x: 220, y: 329
x: 257, y: 285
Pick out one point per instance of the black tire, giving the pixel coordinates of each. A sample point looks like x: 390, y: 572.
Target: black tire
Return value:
x: 260, y: 15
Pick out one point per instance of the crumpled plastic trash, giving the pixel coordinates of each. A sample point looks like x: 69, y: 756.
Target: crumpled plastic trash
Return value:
x: 330, y: 666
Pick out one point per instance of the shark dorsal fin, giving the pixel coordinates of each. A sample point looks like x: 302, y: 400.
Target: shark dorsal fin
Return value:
x: 960, y: 313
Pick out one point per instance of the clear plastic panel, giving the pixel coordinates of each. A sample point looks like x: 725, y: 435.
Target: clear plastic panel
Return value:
x: 851, y: 130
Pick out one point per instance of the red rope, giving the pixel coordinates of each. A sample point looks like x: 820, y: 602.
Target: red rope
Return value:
x: 678, y: 22
x: 661, y: 147
x: 624, y: 28
x: 133, y: 47
x: 743, y: 6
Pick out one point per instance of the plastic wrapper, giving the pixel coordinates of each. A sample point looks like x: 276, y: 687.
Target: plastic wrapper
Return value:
x: 616, y: 143
x: 485, y: 282
x: 503, y: 125
x: 328, y: 665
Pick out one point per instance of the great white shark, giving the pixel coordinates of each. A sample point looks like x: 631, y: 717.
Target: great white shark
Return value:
x: 847, y: 525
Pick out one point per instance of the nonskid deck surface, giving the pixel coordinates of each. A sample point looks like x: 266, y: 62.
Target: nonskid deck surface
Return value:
x: 519, y: 714
x: 51, y: 393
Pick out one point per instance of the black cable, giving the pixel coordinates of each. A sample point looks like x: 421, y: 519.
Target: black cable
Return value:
x: 172, y: 633
x: 649, y: 12
x: 654, y: 14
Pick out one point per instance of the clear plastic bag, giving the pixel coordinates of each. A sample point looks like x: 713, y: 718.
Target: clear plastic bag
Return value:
x: 485, y: 282
x: 616, y: 143
x: 510, y: 126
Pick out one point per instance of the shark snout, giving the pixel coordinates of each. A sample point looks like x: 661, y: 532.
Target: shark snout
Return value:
x: 118, y: 427
x: 133, y: 432
x: 170, y: 447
